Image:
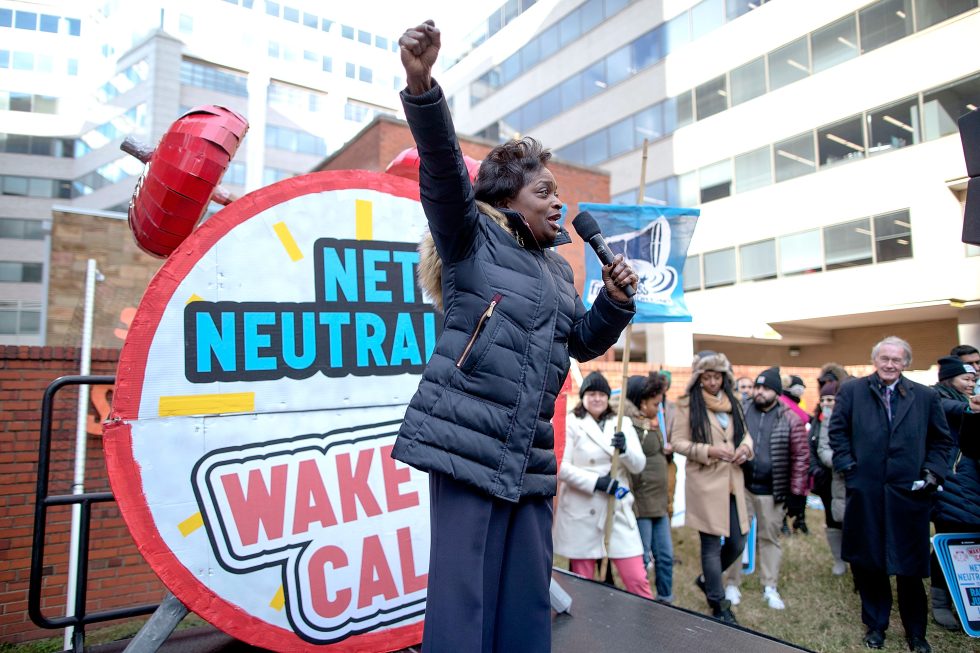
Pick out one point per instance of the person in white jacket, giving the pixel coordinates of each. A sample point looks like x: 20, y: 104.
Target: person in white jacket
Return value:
x: 585, y: 485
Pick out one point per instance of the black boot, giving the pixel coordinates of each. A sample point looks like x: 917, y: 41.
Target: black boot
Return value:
x: 799, y: 524
x: 784, y: 529
x: 722, y: 611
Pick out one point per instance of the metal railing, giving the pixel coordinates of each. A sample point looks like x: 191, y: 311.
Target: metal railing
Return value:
x: 80, y: 618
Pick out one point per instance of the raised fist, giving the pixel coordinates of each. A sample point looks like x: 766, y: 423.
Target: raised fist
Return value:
x: 419, y: 48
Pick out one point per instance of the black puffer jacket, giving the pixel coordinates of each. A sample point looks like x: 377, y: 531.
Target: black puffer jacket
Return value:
x: 482, y: 413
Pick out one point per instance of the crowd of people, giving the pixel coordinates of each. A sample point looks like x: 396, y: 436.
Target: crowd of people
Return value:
x: 886, y: 456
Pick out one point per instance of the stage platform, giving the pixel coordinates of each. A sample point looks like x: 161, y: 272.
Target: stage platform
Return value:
x: 602, y: 619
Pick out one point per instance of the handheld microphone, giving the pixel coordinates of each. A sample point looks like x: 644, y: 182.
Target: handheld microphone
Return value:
x: 587, y: 227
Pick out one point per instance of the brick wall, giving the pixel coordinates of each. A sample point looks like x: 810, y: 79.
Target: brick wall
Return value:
x: 118, y: 576
x: 929, y: 340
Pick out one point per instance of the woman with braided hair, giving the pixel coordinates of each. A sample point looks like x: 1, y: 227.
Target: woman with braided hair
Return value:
x: 710, y: 431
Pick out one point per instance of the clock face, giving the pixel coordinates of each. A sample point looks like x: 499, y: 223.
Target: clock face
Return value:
x: 258, y: 395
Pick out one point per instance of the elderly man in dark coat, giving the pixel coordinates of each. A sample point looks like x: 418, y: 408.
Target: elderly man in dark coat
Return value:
x: 891, y: 441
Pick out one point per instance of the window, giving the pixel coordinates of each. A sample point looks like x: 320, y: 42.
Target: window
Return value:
x: 23, y: 60
x: 678, y: 32
x: 21, y: 229
x: 19, y: 272
x: 707, y: 16
x: 6, y: 17
x: 794, y: 157
x: 25, y: 20
x: 834, y: 43
x: 748, y: 81
x: 618, y: 66
x: 943, y: 106
x: 49, y: 23
x: 365, y: 74
x: 692, y: 272
x: 894, y: 126
x: 363, y: 37
x: 648, y: 124
x: 380, y: 42
x: 683, y: 111
x: 788, y: 64
x: 272, y: 8
x: 4, y: 58
x: 347, y: 32
x: 20, y: 317
x: 712, y: 97
x: 884, y: 22
x: 327, y: 64
x: 350, y: 70
x: 841, y: 142
x: 290, y: 13
x: 687, y: 189
x: 569, y: 28
x: 719, y: 268
x: 893, y: 236
x: 800, y: 253
x: 848, y: 244
x: 930, y: 12
x: 571, y: 92
x: 620, y: 137
x: 716, y: 181
x: 596, y: 148
x: 758, y: 260
x: 647, y: 50
x: 203, y: 76
x: 753, y: 169
x: 74, y: 26
x: 736, y: 8
x: 310, y: 20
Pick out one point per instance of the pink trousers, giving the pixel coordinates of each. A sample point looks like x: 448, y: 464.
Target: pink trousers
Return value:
x: 631, y: 570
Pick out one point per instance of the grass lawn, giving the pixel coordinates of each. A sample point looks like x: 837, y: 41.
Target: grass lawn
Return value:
x: 822, y: 612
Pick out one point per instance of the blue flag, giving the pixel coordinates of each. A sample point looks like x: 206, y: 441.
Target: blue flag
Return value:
x: 654, y: 241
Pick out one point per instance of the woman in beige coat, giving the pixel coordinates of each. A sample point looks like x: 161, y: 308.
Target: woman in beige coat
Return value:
x: 710, y: 431
x: 585, y: 487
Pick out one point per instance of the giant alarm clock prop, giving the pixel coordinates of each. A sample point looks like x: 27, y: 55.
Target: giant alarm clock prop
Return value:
x: 259, y: 392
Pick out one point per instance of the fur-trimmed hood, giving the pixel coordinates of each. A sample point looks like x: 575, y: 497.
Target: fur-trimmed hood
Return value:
x: 430, y: 264
x: 710, y: 360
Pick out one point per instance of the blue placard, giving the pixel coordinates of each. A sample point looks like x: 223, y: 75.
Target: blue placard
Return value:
x: 654, y: 240
x: 959, y: 558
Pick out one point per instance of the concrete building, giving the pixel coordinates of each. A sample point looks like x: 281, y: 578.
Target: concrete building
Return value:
x: 819, y: 140
x: 76, y: 78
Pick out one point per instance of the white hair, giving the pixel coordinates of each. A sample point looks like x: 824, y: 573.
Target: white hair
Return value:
x: 897, y: 342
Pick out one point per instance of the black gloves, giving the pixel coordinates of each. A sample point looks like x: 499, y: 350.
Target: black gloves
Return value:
x: 606, y: 484
x: 929, y: 480
x: 619, y: 442
x: 795, y: 505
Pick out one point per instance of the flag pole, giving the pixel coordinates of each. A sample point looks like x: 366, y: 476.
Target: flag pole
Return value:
x: 611, y: 502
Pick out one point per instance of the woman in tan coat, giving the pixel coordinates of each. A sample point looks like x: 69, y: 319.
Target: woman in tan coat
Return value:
x: 710, y: 431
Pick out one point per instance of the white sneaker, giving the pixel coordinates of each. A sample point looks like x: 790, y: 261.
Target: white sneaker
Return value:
x: 733, y: 595
x: 773, y: 599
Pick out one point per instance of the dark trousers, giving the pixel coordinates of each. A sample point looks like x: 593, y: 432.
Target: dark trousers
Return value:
x: 489, y: 572
x: 876, y: 600
x: 716, y: 557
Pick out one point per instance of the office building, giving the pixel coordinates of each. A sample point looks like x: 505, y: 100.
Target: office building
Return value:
x: 819, y: 140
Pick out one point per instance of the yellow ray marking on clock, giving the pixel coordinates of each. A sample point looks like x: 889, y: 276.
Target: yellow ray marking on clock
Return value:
x: 191, y: 524
x: 364, y: 219
x: 279, y: 600
x: 287, y: 240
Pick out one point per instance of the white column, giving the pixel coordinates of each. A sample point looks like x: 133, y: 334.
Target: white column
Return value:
x: 669, y: 344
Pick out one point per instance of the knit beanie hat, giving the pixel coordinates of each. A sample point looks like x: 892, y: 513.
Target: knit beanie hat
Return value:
x: 770, y: 379
x: 710, y: 361
x: 594, y: 381
x: 794, y: 386
x: 829, y: 388
x: 950, y: 366
x: 634, y: 389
